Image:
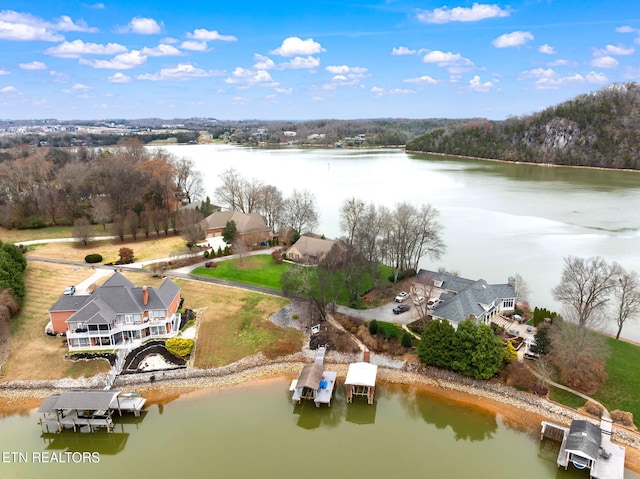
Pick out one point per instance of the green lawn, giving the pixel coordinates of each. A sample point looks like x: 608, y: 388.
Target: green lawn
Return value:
x: 258, y: 270
x: 565, y: 397
x: 261, y: 270
x: 623, y: 384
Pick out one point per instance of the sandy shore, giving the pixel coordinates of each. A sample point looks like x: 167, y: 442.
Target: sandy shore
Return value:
x: 520, y: 410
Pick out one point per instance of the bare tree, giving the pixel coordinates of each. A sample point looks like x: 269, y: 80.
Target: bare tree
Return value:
x: 118, y: 226
x: 230, y: 194
x: 522, y: 289
x: 411, y: 233
x: 101, y: 210
x: 272, y: 206
x: 626, y: 297
x: 253, y: 195
x: 189, y: 225
x: 82, y: 230
x: 300, y: 211
x: 188, y: 179
x: 351, y: 214
x: 132, y: 222
x: 9, y: 306
x: 584, y: 289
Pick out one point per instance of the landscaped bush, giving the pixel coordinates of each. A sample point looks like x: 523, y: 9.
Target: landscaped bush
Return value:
x: 277, y: 256
x: 93, y: 258
x: 406, y: 340
x: 624, y: 418
x: 373, y: 327
x: 594, y: 409
x: 180, y: 347
x: 405, y: 273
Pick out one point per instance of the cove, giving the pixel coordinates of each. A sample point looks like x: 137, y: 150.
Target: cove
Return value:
x: 499, y: 218
x: 255, y: 431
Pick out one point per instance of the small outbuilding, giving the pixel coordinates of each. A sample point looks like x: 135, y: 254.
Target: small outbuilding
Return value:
x: 361, y: 381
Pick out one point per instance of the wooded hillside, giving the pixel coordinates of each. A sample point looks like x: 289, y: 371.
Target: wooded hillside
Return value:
x: 600, y: 129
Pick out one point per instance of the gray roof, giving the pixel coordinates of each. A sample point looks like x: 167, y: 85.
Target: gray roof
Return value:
x: 464, y: 297
x: 118, y: 295
x: 310, y: 376
x: 80, y: 399
x: 584, y: 439
x: 69, y: 303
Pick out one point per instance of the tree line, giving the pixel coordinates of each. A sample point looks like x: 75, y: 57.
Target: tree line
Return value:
x: 12, y: 290
x: 597, y: 129
x: 128, y: 185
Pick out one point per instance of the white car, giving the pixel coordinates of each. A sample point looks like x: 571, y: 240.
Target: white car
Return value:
x: 418, y: 300
x: 432, y: 303
x: 401, y: 296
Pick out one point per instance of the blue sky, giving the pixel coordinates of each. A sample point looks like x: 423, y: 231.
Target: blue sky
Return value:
x: 292, y: 60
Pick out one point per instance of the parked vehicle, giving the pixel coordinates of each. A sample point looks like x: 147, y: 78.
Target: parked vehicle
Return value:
x: 71, y: 290
x: 432, y: 303
x: 401, y: 296
x: 401, y: 308
x: 418, y: 300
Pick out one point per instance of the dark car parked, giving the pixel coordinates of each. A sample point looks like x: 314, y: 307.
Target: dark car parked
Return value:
x: 401, y: 308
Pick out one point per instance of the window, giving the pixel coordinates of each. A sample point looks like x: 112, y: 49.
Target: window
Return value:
x: 507, y: 303
x: 128, y: 318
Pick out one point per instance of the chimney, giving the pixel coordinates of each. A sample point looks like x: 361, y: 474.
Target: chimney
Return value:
x: 145, y: 295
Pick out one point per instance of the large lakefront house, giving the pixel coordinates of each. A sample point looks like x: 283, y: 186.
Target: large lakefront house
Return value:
x: 117, y: 314
x: 462, y: 298
x: 309, y: 249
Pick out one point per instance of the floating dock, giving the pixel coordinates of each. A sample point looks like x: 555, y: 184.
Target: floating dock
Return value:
x: 587, y: 446
x: 314, y: 382
x: 89, y: 409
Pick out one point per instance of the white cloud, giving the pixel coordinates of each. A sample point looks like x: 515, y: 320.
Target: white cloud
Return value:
x: 253, y: 77
x: 78, y: 87
x: 210, y: 35
x: 555, y: 83
x: 625, y: 29
x: 401, y: 91
x: 124, y: 61
x: 346, y: 75
x: 161, y: 50
x: 593, y: 77
x: 143, y: 26
x: 26, y: 27
x: 513, y: 39
x: 422, y: 79
x: 33, y: 66
x: 613, y: 50
x: 299, y: 63
x: 538, y: 73
x: 8, y: 89
x: 376, y: 89
x: 77, y: 48
x: 547, y: 49
x: 4, y: 72
x: 454, y: 62
x: 403, y: 51
x: 65, y: 24
x: 604, y: 62
x: 184, y: 71
x: 476, y: 85
x: 119, y: 78
x: 293, y: 46
x: 263, y: 62
x: 460, y: 14
x: 194, y: 46
x: 561, y: 62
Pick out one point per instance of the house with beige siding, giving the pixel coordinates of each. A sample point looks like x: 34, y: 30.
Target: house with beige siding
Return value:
x: 309, y: 249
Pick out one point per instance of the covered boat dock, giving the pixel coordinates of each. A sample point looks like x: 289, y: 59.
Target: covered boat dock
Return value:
x: 361, y: 381
x: 314, y: 382
x: 86, y: 408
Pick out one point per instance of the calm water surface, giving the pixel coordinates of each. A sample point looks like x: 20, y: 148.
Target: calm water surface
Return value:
x: 499, y: 218
x: 255, y: 431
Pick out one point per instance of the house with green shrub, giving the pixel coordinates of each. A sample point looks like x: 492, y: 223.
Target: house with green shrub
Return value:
x: 117, y: 314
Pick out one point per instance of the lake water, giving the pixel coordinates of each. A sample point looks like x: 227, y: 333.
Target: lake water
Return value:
x: 499, y: 218
x: 255, y: 431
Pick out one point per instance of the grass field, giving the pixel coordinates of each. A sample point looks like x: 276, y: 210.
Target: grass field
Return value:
x: 233, y: 324
x: 259, y: 270
x: 16, y: 236
x: 623, y: 384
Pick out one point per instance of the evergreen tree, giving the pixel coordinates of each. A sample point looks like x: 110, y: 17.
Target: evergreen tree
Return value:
x: 435, y: 346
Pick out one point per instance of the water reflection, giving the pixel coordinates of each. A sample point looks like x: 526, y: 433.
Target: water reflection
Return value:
x: 102, y: 442
x: 466, y: 422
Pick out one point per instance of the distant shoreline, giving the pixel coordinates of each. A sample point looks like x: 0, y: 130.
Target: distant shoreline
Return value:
x: 549, y: 165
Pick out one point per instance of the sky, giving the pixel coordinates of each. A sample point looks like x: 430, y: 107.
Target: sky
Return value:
x: 296, y: 60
